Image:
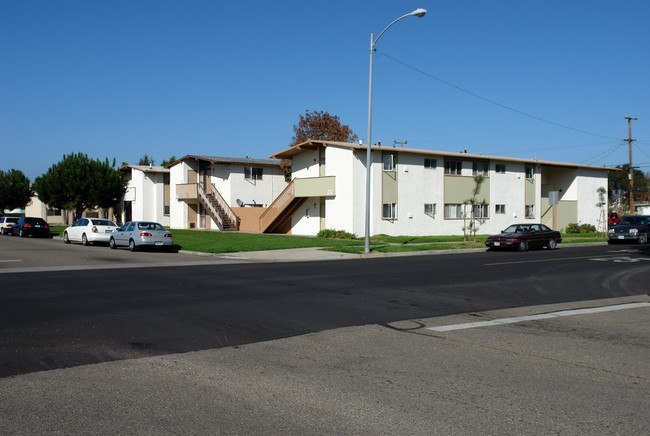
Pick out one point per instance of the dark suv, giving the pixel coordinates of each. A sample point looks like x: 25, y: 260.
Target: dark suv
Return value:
x: 634, y: 228
x: 31, y: 226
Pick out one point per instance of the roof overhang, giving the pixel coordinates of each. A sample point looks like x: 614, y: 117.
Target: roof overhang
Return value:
x: 312, y: 145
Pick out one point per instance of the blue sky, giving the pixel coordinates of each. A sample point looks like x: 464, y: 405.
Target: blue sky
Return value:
x: 119, y: 79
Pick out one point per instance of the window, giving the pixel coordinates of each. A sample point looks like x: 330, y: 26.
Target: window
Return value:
x: 480, y: 168
x: 430, y: 209
x: 500, y: 168
x: 481, y: 210
x: 389, y: 211
x: 500, y: 208
x: 389, y: 162
x: 430, y: 163
x: 530, y: 211
x: 453, y: 211
x: 53, y: 212
x: 166, y: 210
x: 453, y: 167
x: 530, y: 172
x: 252, y: 173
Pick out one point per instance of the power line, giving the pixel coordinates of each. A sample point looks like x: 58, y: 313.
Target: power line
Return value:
x: 473, y: 94
x: 605, y: 154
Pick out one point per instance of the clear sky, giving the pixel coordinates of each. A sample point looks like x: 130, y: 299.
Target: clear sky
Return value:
x: 548, y: 79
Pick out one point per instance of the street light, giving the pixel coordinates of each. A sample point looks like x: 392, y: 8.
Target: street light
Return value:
x: 417, y: 13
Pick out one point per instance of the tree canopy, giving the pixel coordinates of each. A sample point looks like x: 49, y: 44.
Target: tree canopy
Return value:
x: 168, y: 161
x: 146, y: 160
x: 15, y: 190
x: 321, y: 126
x: 78, y: 183
x: 619, y: 184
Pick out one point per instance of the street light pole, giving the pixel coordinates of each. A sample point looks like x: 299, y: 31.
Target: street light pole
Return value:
x: 417, y: 13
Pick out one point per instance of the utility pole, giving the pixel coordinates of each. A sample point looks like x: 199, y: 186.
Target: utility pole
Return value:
x: 630, y: 141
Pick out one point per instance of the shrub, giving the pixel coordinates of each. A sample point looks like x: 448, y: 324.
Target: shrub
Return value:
x: 336, y: 234
x: 580, y: 228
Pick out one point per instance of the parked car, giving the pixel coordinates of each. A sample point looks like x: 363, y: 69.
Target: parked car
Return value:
x: 6, y: 223
x: 136, y: 234
x: 89, y: 230
x: 31, y: 226
x: 525, y: 236
x: 634, y: 228
x: 612, y: 218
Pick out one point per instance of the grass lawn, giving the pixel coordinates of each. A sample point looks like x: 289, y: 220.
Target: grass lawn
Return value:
x: 229, y: 242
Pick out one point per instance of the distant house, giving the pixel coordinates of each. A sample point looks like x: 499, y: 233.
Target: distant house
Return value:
x: 36, y: 208
x: 422, y: 192
x: 147, y: 196
x: 222, y: 193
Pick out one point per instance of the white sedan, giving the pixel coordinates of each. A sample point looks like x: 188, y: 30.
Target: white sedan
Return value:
x: 89, y: 230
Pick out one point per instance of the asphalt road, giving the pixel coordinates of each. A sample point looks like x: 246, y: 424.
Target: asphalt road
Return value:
x: 329, y: 347
x: 66, y: 318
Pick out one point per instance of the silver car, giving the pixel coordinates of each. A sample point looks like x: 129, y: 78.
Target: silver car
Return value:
x: 136, y: 234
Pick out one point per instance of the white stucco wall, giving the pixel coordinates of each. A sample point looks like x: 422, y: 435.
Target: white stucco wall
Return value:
x: 418, y: 185
x: 588, y: 181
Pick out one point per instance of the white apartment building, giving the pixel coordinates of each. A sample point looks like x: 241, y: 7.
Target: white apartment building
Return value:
x: 422, y: 192
x: 148, y: 194
x: 224, y: 193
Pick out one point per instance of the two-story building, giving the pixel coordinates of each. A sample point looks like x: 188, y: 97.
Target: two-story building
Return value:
x: 224, y: 193
x: 148, y: 194
x: 423, y: 192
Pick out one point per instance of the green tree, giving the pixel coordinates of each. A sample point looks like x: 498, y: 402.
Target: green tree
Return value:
x: 146, y: 160
x: 475, y: 221
x: 321, y: 126
x: 619, y: 185
x: 79, y: 183
x: 168, y: 161
x: 15, y: 190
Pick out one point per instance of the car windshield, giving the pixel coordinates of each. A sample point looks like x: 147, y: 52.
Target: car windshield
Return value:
x: 632, y: 220
x: 150, y: 226
x: 517, y: 228
x: 103, y: 223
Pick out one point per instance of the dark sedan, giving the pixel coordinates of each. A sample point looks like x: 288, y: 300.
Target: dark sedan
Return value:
x: 525, y: 236
x: 31, y: 226
x: 631, y: 229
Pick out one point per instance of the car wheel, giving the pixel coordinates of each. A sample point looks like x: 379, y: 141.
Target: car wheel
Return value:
x: 643, y: 238
x: 111, y: 243
x: 3, y: 231
x: 84, y: 240
x: 66, y: 238
x: 522, y: 246
x: 132, y: 246
x: 551, y: 244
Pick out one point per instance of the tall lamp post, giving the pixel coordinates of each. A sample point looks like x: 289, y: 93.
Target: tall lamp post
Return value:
x: 417, y: 13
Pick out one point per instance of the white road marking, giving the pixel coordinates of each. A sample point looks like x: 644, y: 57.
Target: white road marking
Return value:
x: 471, y: 325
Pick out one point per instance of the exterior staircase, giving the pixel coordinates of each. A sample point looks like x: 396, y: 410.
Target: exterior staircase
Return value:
x: 277, y: 217
x: 218, y: 209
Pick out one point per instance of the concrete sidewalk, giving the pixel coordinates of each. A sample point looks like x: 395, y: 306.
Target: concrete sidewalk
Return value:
x: 318, y: 254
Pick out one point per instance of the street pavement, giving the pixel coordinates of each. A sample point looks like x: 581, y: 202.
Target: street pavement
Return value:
x: 580, y: 374
x: 584, y: 374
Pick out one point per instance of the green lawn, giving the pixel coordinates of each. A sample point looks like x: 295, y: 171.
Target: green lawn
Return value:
x: 229, y: 242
